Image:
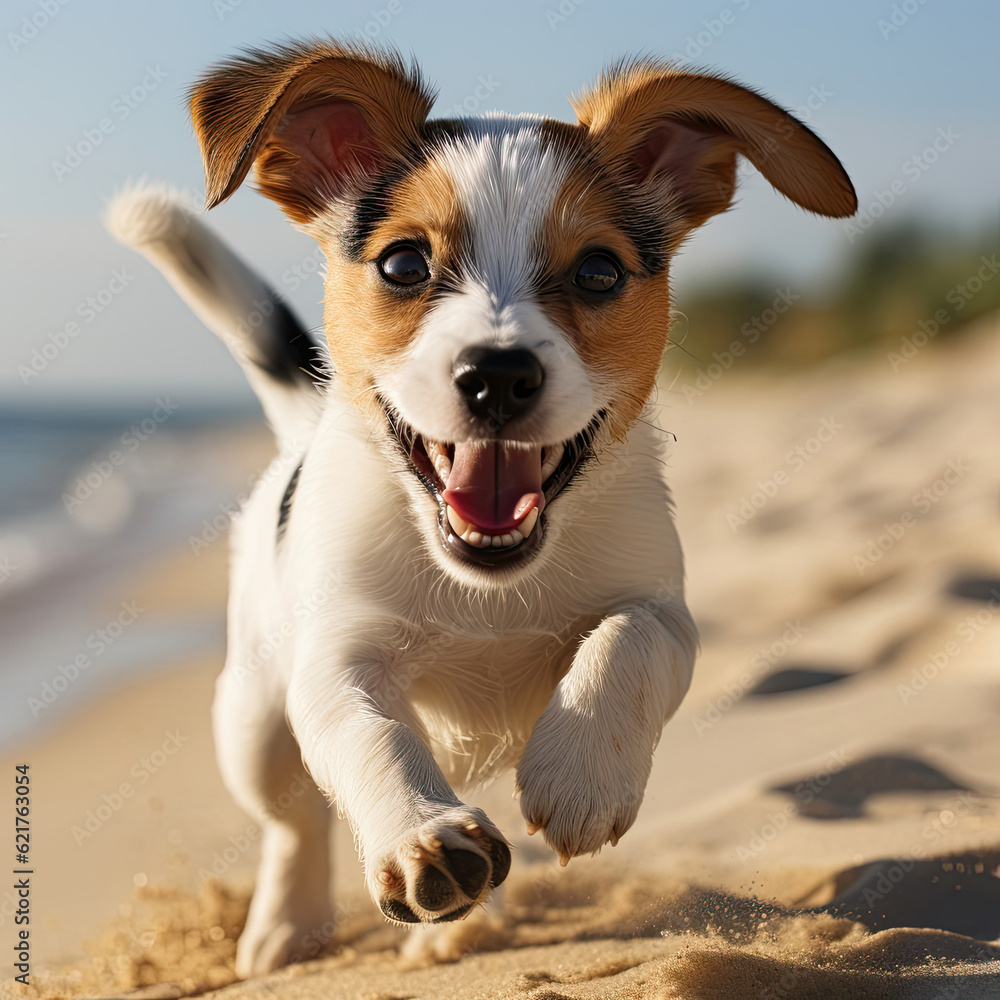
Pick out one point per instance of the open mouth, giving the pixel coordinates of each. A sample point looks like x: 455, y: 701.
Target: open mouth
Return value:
x: 492, y: 494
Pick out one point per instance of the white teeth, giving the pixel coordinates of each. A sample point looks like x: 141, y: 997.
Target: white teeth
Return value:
x: 527, y: 526
x: 438, y: 454
x: 553, y: 456
x: 468, y: 533
x: 456, y: 522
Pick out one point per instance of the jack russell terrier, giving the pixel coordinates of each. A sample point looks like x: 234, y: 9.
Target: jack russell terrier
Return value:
x: 464, y: 558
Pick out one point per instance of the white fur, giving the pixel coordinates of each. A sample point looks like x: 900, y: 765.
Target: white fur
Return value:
x: 423, y: 390
x: 505, y: 181
x: 404, y: 677
x: 228, y: 297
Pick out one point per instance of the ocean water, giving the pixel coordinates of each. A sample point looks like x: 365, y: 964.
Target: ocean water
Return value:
x: 86, y: 498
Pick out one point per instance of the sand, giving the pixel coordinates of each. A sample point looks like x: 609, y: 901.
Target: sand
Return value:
x: 823, y: 817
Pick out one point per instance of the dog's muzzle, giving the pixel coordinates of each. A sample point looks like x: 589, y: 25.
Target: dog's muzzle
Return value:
x: 492, y: 491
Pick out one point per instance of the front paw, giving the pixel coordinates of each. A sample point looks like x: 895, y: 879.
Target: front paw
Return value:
x: 440, y: 870
x: 581, y: 787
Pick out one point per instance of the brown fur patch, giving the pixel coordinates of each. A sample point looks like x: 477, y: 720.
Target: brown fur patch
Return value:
x: 655, y: 156
x: 620, y: 340
x: 622, y: 343
x: 366, y: 324
x: 633, y: 116
x: 631, y: 102
x: 265, y: 107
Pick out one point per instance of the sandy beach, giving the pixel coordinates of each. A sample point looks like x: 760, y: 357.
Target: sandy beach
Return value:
x: 823, y: 817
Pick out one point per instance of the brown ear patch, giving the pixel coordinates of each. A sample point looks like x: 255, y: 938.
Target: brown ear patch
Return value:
x: 311, y: 115
x: 653, y: 121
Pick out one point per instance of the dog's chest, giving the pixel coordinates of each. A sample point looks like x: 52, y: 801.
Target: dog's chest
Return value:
x: 478, y: 697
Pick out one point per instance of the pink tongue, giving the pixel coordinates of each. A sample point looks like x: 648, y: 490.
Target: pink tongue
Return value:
x: 493, y: 487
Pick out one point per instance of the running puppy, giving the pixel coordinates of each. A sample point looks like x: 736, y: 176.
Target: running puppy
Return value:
x: 463, y: 559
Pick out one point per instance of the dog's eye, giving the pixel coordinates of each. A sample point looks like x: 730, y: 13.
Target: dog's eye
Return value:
x: 597, y: 274
x: 404, y: 266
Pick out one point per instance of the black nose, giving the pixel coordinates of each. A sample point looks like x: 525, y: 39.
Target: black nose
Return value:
x: 498, y: 384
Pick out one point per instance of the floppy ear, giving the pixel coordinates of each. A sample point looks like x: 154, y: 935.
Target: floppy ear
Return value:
x: 679, y: 133
x: 314, y: 117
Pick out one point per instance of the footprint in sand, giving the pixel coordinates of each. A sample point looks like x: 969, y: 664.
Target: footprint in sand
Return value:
x: 844, y: 795
x: 796, y: 678
x: 976, y: 588
x: 957, y: 893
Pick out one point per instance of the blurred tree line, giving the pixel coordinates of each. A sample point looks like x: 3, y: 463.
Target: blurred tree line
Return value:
x: 911, y: 280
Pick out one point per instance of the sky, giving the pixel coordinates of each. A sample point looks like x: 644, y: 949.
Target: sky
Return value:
x: 902, y: 90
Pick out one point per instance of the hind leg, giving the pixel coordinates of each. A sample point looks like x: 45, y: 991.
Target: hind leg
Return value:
x: 291, y: 917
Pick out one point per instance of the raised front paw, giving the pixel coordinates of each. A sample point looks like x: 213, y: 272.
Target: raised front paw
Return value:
x: 581, y: 788
x: 439, y: 871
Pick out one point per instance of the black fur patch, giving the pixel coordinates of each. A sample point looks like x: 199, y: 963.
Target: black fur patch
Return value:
x: 285, y: 507
x: 370, y: 210
x: 649, y: 236
x: 372, y: 206
x: 288, y: 354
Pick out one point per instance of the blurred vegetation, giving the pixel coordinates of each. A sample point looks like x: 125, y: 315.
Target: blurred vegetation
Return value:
x: 911, y: 279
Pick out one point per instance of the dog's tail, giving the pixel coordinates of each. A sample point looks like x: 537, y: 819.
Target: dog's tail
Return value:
x: 273, y: 348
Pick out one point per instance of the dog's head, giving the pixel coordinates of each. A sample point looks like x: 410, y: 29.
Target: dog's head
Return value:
x: 497, y: 287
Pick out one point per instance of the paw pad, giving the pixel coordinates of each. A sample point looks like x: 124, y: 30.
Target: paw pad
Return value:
x: 441, y: 871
